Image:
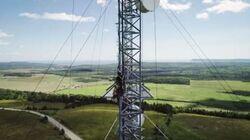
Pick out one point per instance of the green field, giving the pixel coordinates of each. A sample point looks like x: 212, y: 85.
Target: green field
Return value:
x: 198, y: 90
x: 29, y: 83
x: 24, y: 126
x: 199, y: 94
x: 93, y: 122
x: 49, y: 83
x: 203, y: 94
x: 207, y: 94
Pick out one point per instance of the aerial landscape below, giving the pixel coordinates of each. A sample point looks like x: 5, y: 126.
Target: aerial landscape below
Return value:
x: 124, y: 70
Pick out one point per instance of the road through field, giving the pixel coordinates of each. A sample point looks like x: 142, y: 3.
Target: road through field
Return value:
x: 68, y: 133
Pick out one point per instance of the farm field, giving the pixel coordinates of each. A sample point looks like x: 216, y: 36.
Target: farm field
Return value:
x: 24, y: 128
x: 198, y: 90
x: 29, y: 83
x: 49, y: 83
x: 199, y: 94
x: 202, y: 94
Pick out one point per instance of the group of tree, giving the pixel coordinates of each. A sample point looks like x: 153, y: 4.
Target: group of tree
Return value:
x: 18, y: 74
x: 225, y: 114
x: 240, y: 92
x: 86, y: 80
x: 72, y: 101
x: 167, y: 80
x: 162, y: 108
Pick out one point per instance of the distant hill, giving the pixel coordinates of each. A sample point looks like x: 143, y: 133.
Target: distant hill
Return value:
x: 222, y: 60
x: 21, y: 65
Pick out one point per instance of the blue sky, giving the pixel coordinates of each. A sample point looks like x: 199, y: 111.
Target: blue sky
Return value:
x: 33, y: 30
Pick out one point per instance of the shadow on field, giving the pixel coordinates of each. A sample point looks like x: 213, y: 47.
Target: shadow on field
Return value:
x: 180, y: 101
x: 215, y: 103
x: 228, y: 105
x: 239, y: 92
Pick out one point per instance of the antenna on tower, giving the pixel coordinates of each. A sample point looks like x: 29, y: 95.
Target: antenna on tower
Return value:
x: 129, y: 89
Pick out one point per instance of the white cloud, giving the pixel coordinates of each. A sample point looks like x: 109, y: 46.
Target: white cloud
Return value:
x: 234, y: 6
x: 203, y: 16
x: 207, y: 1
x: 4, y: 35
x: 30, y: 15
x: 102, y: 2
x: 175, y: 6
x: 58, y: 17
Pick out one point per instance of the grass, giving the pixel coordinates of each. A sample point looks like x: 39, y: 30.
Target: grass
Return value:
x: 189, y: 126
x: 89, y: 122
x: 93, y: 122
x: 13, y: 103
x: 28, y: 127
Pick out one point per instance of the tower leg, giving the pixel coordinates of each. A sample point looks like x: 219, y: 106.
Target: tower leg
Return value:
x: 129, y: 33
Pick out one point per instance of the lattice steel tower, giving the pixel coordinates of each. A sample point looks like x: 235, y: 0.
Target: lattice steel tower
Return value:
x: 129, y: 35
x: 129, y: 89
